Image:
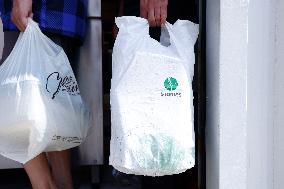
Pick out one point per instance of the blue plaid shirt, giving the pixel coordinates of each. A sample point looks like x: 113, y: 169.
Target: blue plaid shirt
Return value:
x: 64, y: 17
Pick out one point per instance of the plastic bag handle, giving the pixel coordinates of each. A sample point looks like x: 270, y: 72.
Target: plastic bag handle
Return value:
x: 182, y: 35
x: 173, y: 40
x: 184, y: 30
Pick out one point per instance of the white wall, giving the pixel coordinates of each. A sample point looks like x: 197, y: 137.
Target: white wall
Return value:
x: 261, y: 59
x: 233, y: 86
x: 279, y: 99
x: 240, y: 59
x: 226, y: 87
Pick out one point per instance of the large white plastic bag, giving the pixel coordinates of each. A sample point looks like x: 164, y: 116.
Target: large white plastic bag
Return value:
x: 152, y: 100
x: 40, y: 104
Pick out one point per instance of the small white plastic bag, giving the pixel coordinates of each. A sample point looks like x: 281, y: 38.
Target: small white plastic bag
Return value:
x: 151, y: 98
x: 40, y: 104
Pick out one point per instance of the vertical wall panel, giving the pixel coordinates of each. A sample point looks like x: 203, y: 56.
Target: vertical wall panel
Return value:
x: 94, y: 8
x: 261, y: 58
x: 212, y: 86
x: 90, y: 82
x: 279, y: 99
x: 226, y: 124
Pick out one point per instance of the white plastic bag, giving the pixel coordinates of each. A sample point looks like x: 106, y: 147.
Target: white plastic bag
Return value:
x: 40, y: 104
x: 152, y: 100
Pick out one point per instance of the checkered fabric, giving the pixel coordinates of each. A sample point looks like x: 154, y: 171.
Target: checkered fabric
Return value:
x: 64, y: 17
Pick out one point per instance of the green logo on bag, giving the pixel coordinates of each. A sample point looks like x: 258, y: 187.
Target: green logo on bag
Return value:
x: 171, y: 84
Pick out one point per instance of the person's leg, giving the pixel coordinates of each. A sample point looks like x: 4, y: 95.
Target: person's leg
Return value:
x: 39, y: 173
x: 61, y: 168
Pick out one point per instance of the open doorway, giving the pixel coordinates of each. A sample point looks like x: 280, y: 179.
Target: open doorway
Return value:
x: 182, y: 9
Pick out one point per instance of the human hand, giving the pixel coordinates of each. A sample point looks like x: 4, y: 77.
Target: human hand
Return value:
x: 155, y: 11
x: 21, y: 11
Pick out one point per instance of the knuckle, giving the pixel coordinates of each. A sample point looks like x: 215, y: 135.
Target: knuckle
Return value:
x: 151, y: 20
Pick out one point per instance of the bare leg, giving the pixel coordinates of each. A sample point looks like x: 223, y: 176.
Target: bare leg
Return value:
x: 39, y: 173
x: 61, y: 168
